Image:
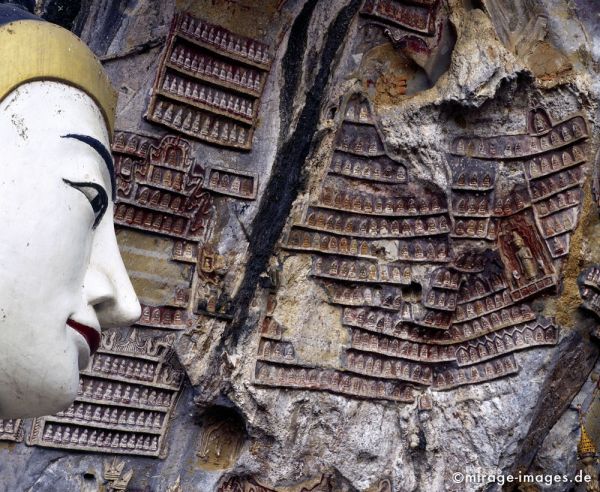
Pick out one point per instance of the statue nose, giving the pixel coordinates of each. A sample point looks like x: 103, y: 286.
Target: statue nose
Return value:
x: 107, y: 285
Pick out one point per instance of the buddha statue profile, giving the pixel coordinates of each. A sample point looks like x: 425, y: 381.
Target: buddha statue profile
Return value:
x: 63, y: 278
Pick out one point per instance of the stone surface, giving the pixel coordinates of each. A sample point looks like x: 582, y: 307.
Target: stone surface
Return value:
x: 427, y: 87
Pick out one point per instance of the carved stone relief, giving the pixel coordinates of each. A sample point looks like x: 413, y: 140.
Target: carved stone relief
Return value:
x: 11, y: 430
x: 125, y: 401
x: 477, y: 253
x: 210, y: 83
x: 160, y: 187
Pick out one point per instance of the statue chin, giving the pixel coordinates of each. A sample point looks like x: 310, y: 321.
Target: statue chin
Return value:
x: 63, y: 278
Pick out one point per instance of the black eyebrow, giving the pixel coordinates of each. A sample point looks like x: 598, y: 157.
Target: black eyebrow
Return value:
x: 104, y: 153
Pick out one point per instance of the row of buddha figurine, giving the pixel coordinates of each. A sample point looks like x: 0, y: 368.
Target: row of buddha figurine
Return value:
x: 435, y: 319
x: 369, y: 169
x: 522, y: 145
x: 167, y: 178
x: 473, y: 180
x: 440, y: 299
x: 423, y: 251
x: 276, y: 350
x: 591, y: 299
x: 333, y: 381
x: 364, y: 296
x: 124, y: 367
x: 184, y: 250
x: 122, y: 417
x: 220, y: 180
x: 504, y: 318
x: 162, y: 316
x: 555, y: 161
x: 371, y: 365
x: 373, y: 342
x: 470, y: 206
x: 327, y: 243
x: 200, y: 124
x: 592, y: 276
x: 453, y: 377
x: 474, y: 288
x: 559, y: 223
x: 161, y: 199
x: 474, y: 228
x: 363, y: 145
x: 359, y: 111
x: 505, y: 340
x: 516, y: 201
x: 470, y: 261
x: 485, y: 305
x: 215, y: 98
x: 224, y: 40
x: 154, y: 221
x: 446, y: 279
x: 589, y: 289
x: 340, y: 223
x: 214, y: 69
x: 368, y: 203
x: 106, y: 440
x: 131, y: 144
x: 124, y: 393
x: 362, y: 271
x: 393, y: 325
x: 555, y: 183
x: 558, y: 202
x: 404, y: 309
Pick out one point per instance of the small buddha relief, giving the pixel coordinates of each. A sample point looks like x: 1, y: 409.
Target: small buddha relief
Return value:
x: 222, y: 439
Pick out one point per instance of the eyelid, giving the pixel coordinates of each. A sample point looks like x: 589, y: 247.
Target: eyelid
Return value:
x: 100, y: 201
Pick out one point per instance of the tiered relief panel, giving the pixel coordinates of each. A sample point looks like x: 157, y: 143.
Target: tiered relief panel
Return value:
x: 277, y: 366
x: 160, y: 192
x: 552, y: 157
x: 209, y: 84
x: 160, y: 189
x: 165, y: 317
x: 413, y: 15
x: 230, y: 182
x: 11, y: 430
x: 589, y: 288
x: 478, y: 252
x: 125, y: 400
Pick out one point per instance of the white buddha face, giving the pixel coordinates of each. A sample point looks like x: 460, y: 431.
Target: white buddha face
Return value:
x: 61, y: 274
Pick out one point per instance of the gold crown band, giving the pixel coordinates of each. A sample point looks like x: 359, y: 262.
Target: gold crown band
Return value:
x: 31, y: 50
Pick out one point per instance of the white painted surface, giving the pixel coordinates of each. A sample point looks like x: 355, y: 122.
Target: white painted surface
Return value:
x: 54, y: 265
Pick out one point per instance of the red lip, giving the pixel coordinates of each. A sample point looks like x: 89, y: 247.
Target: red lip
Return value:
x: 92, y: 337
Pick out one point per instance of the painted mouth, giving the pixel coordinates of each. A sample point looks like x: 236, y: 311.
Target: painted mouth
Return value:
x: 91, y: 335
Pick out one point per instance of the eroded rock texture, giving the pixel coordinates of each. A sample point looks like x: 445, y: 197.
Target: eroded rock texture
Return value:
x: 364, y: 237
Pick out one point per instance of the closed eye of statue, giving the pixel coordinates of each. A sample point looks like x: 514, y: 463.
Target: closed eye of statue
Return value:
x: 95, y: 194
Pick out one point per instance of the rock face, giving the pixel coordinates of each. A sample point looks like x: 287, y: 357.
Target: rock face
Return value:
x: 363, y: 235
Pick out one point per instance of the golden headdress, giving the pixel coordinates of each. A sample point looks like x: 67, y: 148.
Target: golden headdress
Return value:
x: 32, y: 49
